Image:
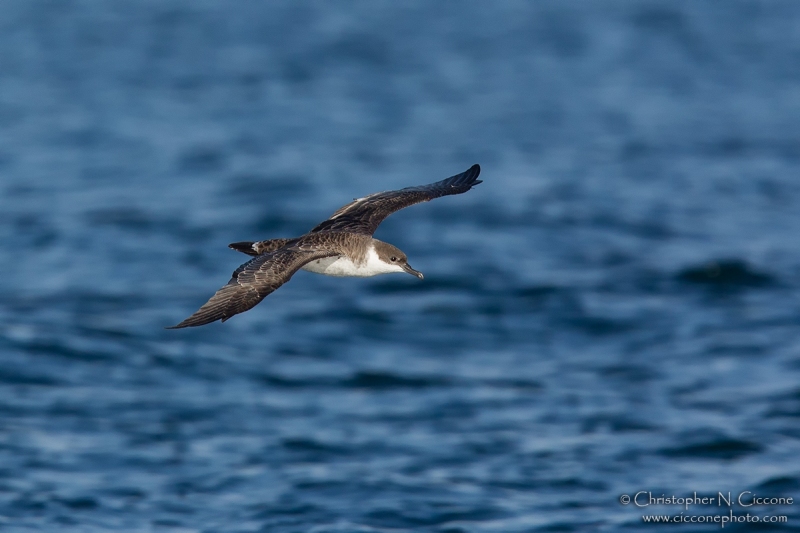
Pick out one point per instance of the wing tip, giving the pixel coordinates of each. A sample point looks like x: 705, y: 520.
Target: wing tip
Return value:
x: 467, y: 178
x: 471, y: 174
x: 188, y: 323
x: 200, y: 318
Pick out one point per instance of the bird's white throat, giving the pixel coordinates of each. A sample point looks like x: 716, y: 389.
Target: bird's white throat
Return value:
x: 343, y: 266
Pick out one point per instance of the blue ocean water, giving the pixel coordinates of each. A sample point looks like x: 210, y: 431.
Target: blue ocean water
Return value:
x: 614, y: 310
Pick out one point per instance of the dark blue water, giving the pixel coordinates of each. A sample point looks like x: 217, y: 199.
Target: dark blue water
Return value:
x: 616, y: 308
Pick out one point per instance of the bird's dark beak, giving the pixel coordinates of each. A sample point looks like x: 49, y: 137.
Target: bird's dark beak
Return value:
x: 413, y: 272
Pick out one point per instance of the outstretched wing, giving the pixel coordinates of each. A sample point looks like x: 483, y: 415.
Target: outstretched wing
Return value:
x: 364, y: 215
x: 252, y: 282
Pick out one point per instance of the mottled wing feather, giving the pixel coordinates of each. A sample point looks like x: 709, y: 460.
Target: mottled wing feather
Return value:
x: 253, y: 281
x: 364, y: 215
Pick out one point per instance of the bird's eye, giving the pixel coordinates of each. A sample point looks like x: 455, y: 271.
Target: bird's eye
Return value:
x: 393, y: 258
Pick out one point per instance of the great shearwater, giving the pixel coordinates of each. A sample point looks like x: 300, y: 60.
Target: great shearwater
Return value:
x: 340, y: 246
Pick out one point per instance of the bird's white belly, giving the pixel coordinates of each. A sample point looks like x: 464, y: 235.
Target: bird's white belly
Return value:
x: 343, y: 266
x: 336, y: 266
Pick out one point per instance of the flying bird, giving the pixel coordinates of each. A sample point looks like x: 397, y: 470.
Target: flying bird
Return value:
x: 340, y: 246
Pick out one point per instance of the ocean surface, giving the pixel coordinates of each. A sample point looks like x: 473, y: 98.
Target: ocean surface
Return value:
x: 615, y: 309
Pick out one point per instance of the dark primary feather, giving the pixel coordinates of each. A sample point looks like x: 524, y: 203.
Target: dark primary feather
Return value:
x: 254, y: 280
x: 364, y: 215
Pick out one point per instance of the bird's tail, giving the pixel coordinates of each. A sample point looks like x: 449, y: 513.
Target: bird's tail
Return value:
x: 246, y: 247
x: 259, y: 247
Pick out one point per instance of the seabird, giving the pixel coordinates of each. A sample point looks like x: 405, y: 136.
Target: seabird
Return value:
x: 340, y: 246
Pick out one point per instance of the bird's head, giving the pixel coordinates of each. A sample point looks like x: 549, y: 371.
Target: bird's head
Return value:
x: 394, y: 258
